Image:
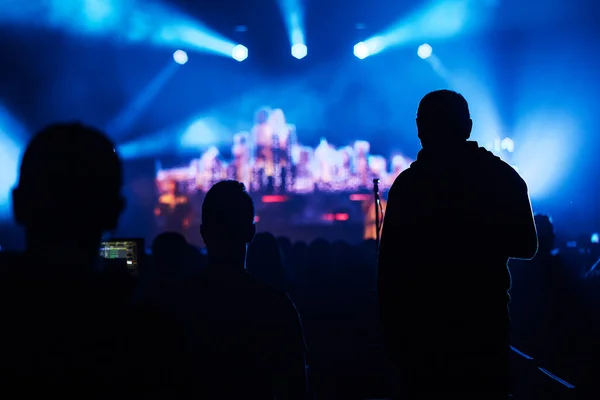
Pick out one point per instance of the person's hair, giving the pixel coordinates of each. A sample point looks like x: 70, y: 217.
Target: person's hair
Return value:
x: 228, y: 213
x: 443, y: 117
x: 70, y: 175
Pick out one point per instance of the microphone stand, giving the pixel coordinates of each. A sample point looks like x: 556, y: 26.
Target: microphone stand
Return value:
x: 377, y: 216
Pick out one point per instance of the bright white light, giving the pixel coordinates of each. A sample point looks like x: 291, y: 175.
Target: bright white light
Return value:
x: 299, y: 51
x: 507, y: 144
x: 424, y: 51
x: 361, y: 50
x: 180, y: 57
x: 239, y: 53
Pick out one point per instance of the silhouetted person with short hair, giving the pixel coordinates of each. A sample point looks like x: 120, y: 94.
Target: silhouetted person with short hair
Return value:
x: 65, y: 326
x: 69, y: 194
x: 58, y: 322
x: 251, y: 343
x: 453, y: 220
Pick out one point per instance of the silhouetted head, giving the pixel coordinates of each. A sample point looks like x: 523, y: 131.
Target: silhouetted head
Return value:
x: 545, y: 231
x: 443, y: 119
x: 227, y: 221
x: 169, y: 252
x: 69, y: 186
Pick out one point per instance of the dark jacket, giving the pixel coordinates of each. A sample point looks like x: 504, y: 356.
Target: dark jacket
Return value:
x: 453, y: 220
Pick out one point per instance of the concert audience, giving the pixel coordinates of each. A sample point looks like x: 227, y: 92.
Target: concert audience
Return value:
x: 226, y: 326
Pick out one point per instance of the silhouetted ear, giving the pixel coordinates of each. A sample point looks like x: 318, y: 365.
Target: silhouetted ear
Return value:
x: 423, y: 128
x: 469, y: 128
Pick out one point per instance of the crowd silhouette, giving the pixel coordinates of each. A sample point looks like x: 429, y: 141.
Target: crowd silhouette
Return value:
x: 260, y: 317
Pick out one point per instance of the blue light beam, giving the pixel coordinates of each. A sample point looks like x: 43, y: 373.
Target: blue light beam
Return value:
x: 124, y: 20
x: 128, y: 116
x: 195, y: 137
x: 293, y: 16
x: 438, y: 20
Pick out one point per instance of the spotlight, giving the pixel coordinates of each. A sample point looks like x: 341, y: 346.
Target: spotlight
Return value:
x: 180, y: 57
x: 595, y: 238
x: 239, y: 53
x: 424, y: 51
x: 507, y: 144
x: 299, y: 51
x: 361, y: 50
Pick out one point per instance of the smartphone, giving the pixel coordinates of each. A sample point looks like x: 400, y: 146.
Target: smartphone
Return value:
x: 130, y: 251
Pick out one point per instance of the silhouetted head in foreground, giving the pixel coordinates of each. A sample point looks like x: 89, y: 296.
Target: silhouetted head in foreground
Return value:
x: 443, y: 120
x: 69, y: 191
x: 545, y: 231
x: 227, y: 223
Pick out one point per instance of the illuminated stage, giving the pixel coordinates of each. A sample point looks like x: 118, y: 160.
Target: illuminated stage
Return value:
x: 333, y: 216
x: 296, y: 188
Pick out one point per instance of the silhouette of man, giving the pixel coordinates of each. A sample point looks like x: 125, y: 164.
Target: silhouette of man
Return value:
x: 65, y: 329
x: 251, y: 338
x: 453, y: 220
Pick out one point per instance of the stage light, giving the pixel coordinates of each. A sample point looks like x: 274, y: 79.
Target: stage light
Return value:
x: 507, y: 144
x: 424, y: 51
x: 180, y: 57
x: 239, y: 53
x: 361, y: 50
x: 299, y: 50
x: 595, y: 238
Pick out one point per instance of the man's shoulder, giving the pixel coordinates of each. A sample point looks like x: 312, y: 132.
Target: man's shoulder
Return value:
x: 274, y: 296
x: 275, y: 300
x: 504, y: 172
x: 405, y: 180
x: 486, y: 157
